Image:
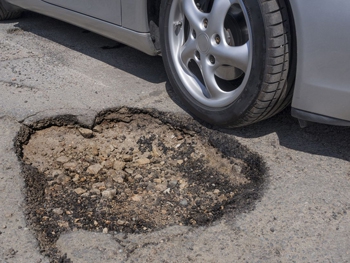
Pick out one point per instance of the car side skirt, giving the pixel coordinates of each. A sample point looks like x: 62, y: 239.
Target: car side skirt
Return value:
x: 313, y: 117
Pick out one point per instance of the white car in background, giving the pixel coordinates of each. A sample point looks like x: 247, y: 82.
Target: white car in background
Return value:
x: 232, y: 62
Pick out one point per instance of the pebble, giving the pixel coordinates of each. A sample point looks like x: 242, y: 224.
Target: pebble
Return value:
x: 155, y: 151
x: 128, y: 158
x: 95, y: 191
x: 56, y: 173
x: 105, y: 230
x: 63, y: 159
x: 63, y: 224
x: 94, y: 169
x: 57, y: 187
x: 99, y: 185
x: 161, y: 187
x: 79, y: 191
x: 86, y: 133
x: 143, y: 161
x: 129, y: 171
x: 173, y: 183
x: 76, y: 177
x: 57, y: 211
x: 150, y: 186
x: 138, y: 177
x: 136, y: 198
x: 85, y: 194
x: 183, y: 185
x: 157, y: 181
x: 97, y: 129
x: 94, y: 151
x: 70, y: 166
x: 118, y: 165
x: 108, y: 164
x: 183, y: 202
x: 109, y: 194
x: 118, y: 178
x: 63, y: 179
x: 120, y: 222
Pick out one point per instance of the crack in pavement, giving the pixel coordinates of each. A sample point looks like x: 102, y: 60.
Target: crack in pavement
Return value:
x: 19, y: 86
x: 22, y: 121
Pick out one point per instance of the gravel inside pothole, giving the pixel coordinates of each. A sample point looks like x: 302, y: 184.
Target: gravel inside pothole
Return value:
x: 131, y: 176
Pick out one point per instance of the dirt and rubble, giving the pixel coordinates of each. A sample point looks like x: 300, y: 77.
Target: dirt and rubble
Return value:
x: 131, y: 173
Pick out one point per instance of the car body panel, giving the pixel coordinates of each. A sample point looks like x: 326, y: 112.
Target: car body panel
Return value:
x: 107, y: 10
x: 129, y: 36
x: 322, y: 85
x: 135, y: 15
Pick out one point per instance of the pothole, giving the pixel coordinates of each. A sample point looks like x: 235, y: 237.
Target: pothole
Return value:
x: 133, y: 173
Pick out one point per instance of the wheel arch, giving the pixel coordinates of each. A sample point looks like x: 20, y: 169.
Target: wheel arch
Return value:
x: 153, y: 14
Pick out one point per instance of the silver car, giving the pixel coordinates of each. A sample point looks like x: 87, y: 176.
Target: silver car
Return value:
x: 232, y: 62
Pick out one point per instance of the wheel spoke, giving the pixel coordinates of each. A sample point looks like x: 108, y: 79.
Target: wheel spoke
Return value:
x: 187, y: 51
x: 193, y: 15
x: 217, y: 15
x: 208, y: 72
x: 237, y: 56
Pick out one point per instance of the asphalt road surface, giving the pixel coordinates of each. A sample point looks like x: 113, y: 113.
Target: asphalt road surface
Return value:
x: 49, y: 68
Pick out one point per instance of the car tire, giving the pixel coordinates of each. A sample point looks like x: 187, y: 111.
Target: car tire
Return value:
x: 8, y: 11
x: 229, y: 61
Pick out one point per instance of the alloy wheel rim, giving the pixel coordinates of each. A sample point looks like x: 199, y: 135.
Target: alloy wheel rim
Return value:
x: 212, y: 50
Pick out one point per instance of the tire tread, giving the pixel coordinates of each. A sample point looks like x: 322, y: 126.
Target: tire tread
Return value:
x: 6, y: 14
x: 276, y: 91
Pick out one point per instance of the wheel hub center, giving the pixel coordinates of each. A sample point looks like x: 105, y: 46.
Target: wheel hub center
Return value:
x: 203, y: 43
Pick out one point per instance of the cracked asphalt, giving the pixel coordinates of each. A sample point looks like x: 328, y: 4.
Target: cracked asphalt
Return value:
x: 49, y: 68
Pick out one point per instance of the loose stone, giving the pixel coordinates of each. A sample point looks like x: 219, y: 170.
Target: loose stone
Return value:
x: 86, y: 133
x: 161, y: 187
x: 143, y: 161
x: 63, y: 179
x: 118, y: 178
x: 129, y: 171
x: 121, y: 222
x: 173, y: 183
x: 99, y: 185
x: 56, y: 173
x: 79, y: 191
x: 118, y: 165
x: 108, y: 164
x: 127, y: 158
x: 97, y: 129
x: 109, y: 194
x: 138, y: 177
x: 63, y: 159
x: 183, y: 202
x: 70, y: 166
x: 136, y: 198
x: 94, y: 169
x: 57, y: 211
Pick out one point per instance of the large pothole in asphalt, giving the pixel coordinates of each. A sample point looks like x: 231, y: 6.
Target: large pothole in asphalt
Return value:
x: 132, y: 173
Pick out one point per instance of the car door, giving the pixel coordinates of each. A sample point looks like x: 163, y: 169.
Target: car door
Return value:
x: 107, y: 10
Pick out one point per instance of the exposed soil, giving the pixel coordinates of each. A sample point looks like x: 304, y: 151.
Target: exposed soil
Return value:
x: 132, y: 173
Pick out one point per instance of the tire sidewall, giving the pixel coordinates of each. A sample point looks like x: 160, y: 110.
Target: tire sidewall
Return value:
x: 234, y: 113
